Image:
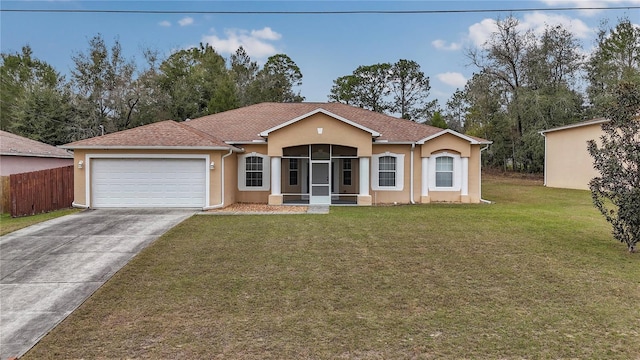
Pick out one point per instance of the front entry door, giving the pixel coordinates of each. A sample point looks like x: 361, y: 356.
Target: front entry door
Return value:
x: 320, y: 182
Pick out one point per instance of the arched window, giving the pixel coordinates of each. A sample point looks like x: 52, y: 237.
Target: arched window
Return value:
x: 253, y: 172
x: 444, y: 171
x: 387, y: 172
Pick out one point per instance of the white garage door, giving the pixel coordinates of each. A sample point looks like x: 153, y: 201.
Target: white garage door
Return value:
x: 148, y: 182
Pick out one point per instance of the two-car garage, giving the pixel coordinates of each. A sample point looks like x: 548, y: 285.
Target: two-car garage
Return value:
x: 148, y: 182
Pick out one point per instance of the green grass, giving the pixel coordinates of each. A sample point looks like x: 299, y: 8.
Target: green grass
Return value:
x: 535, y: 275
x: 9, y: 224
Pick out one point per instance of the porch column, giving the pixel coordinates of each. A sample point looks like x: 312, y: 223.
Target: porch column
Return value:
x: 464, y: 190
x: 424, y: 181
x: 364, y: 198
x: 276, y: 173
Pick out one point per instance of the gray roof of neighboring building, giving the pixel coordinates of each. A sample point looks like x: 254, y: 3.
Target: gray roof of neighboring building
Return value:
x: 15, y: 145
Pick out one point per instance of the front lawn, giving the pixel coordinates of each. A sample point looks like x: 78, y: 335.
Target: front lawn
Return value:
x: 535, y: 275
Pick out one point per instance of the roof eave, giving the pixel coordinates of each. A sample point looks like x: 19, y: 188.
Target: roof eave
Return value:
x: 68, y: 156
x: 576, y: 125
x: 391, y: 142
x: 128, y: 147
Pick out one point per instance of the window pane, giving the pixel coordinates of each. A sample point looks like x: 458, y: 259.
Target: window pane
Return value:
x: 387, y: 163
x: 254, y: 179
x: 444, y: 163
x: 320, y: 152
x: 253, y: 171
x: 444, y: 179
x: 253, y: 163
x: 293, y: 171
x: 386, y: 178
x: 302, y: 150
x: 339, y: 150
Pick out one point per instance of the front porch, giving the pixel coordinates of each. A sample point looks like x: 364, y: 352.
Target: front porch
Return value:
x: 320, y: 174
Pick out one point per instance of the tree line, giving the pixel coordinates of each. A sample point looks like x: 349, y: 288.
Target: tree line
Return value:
x: 524, y: 82
x: 107, y: 92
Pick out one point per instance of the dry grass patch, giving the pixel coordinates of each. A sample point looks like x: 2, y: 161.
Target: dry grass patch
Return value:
x: 536, y: 275
x: 9, y: 224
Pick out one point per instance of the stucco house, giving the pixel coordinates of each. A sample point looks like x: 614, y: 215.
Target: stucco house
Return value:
x: 567, y: 163
x: 19, y: 155
x: 278, y: 153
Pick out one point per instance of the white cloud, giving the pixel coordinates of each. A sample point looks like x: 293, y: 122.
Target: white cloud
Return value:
x: 266, y: 34
x: 185, y: 21
x: 255, y: 42
x: 164, y: 23
x: 442, y: 45
x: 536, y: 21
x: 480, y: 32
x: 454, y: 79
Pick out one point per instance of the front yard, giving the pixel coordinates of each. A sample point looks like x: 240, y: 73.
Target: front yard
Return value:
x: 535, y: 275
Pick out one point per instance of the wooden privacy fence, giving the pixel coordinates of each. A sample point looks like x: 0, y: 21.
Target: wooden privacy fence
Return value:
x: 41, y: 191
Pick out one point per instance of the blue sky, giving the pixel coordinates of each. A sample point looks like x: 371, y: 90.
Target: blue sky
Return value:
x: 325, y: 47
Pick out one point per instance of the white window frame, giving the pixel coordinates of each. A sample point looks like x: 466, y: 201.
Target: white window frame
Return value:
x: 296, y: 171
x: 375, y: 172
x: 457, y: 172
x: 345, y: 171
x: 242, y: 173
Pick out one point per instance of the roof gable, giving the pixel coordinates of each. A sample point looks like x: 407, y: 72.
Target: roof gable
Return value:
x: 317, y: 111
x: 15, y: 145
x: 164, y: 134
x: 471, y: 139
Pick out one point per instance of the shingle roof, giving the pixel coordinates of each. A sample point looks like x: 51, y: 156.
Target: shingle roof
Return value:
x: 12, y: 144
x: 245, y: 124
x: 164, y: 134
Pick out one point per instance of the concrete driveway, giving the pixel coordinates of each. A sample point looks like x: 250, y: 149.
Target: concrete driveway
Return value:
x: 47, y: 270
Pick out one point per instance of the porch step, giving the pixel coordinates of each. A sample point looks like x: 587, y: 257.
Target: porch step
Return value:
x: 318, y: 209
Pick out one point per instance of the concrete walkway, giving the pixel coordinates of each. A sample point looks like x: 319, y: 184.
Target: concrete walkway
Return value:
x: 318, y: 209
x: 49, y: 269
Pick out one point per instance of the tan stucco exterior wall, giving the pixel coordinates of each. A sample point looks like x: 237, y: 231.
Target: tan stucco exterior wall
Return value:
x: 250, y: 196
x: 394, y: 196
x: 305, y: 132
x: 79, y: 175
x: 446, y: 142
x: 567, y: 161
x: 475, y: 174
x: 230, y: 178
